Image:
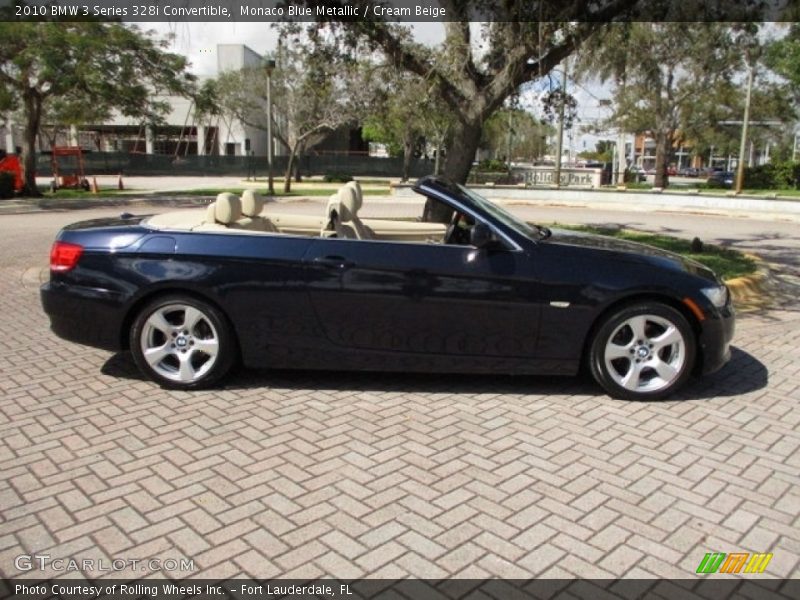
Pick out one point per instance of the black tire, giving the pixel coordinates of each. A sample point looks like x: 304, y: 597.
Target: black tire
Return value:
x: 189, y: 338
x: 648, y: 366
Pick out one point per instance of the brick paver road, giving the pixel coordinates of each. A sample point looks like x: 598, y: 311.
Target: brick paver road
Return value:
x: 302, y: 474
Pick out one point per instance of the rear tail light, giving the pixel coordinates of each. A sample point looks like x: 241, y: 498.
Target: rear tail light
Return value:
x: 64, y: 256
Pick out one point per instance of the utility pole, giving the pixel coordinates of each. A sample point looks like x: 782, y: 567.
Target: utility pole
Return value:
x: 620, y: 166
x: 560, y: 138
x: 743, y: 144
x: 269, y: 66
x: 613, y: 162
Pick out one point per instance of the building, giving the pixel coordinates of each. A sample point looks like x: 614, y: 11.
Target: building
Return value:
x: 182, y: 134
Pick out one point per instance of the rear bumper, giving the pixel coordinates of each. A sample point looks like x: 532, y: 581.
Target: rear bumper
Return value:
x: 83, y: 315
x: 715, y: 340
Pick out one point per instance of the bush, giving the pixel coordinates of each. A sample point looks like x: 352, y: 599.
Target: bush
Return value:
x: 778, y: 175
x: 6, y: 184
x: 492, y: 165
x: 497, y: 178
x: 337, y: 178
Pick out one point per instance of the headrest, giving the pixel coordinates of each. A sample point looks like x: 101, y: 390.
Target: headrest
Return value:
x: 359, y: 194
x: 228, y: 208
x: 252, y: 203
x: 349, y: 205
x: 211, y: 213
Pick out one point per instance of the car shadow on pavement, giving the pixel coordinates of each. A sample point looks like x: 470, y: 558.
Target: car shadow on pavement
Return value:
x: 744, y: 373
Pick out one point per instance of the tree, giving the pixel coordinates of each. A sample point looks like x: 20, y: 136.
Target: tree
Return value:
x: 309, y: 97
x: 603, y: 151
x: 62, y: 66
x: 665, y: 75
x: 783, y: 57
x: 404, y: 115
x: 515, y: 134
x: 520, y: 42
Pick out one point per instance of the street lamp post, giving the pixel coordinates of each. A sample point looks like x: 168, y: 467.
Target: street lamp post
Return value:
x: 269, y: 66
x: 742, y: 145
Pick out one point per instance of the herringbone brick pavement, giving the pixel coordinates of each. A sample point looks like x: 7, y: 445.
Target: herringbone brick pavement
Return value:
x: 304, y: 474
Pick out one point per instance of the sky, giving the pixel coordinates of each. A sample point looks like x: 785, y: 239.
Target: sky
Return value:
x: 198, y: 41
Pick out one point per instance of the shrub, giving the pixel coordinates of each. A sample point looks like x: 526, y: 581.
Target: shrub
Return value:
x: 493, y: 165
x: 776, y: 175
x: 337, y: 178
x: 6, y: 184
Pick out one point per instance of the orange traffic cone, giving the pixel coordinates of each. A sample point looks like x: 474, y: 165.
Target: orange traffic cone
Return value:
x: 119, y: 183
x: 94, y: 185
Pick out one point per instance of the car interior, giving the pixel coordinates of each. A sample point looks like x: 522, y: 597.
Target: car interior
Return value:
x: 251, y: 214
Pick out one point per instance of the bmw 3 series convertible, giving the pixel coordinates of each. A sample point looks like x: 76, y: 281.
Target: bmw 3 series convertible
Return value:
x: 191, y: 293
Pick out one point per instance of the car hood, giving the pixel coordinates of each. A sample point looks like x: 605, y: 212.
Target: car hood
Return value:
x: 631, y: 251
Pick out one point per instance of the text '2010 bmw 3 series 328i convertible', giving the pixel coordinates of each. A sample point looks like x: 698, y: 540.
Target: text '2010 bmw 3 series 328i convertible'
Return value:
x: 191, y: 293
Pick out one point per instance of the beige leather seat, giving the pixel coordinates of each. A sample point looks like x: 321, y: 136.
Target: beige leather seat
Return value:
x: 223, y: 213
x: 252, y: 204
x: 350, y: 199
x: 333, y: 212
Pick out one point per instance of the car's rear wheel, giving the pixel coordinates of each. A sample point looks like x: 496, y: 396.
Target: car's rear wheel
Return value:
x: 181, y: 342
x: 643, y: 352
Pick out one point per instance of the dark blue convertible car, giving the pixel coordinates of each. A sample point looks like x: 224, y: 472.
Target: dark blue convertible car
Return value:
x: 191, y: 293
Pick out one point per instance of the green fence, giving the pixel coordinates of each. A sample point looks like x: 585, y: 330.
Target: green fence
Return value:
x: 112, y: 163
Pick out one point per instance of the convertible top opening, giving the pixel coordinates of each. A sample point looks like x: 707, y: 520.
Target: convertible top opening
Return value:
x: 250, y: 214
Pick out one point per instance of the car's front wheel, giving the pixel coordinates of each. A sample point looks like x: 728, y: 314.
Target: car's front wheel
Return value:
x: 643, y: 352
x: 181, y: 342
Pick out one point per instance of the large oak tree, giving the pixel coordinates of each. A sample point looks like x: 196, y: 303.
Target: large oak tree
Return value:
x: 520, y: 42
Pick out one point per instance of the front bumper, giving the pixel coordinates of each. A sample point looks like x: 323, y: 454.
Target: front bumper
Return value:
x: 88, y: 316
x: 715, y: 339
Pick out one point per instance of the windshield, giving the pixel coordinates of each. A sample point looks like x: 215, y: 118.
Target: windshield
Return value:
x: 503, y: 215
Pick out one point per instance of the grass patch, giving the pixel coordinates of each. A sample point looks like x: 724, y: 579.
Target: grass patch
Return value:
x: 67, y: 194
x: 725, y: 262
x: 789, y: 194
x: 320, y: 180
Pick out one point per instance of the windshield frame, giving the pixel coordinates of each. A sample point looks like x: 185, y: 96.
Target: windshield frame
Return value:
x: 500, y: 214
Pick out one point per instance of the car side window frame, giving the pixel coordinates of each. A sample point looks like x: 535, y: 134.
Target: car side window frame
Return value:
x: 506, y: 240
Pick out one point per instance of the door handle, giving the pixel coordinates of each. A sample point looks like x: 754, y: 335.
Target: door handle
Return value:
x: 336, y: 262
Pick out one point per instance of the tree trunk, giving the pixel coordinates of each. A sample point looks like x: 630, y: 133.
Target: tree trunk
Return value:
x: 301, y: 150
x: 287, y: 177
x: 408, y: 152
x: 297, y: 177
x: 661, y: 177
x: 461, y: 154
x: 457, y: 164
x: 33, y: 112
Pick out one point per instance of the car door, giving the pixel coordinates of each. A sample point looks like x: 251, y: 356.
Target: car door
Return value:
x: 423, y: 298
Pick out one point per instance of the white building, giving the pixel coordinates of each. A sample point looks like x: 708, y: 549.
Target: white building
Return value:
x: 181, y: 135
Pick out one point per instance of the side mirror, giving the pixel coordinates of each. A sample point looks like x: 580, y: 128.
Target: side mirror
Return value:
x: 481, y: 235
